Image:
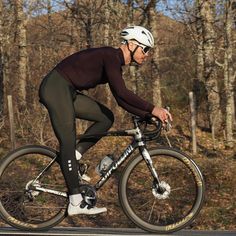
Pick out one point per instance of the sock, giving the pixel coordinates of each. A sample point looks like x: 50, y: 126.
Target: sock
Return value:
x: 78, y: 155
x: 75, y: 199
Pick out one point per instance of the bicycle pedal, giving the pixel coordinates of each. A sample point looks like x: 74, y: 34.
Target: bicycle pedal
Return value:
x: 85, y: 178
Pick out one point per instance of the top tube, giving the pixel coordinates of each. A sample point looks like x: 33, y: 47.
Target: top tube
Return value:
x: 148, y: 135
x: 110, y: 133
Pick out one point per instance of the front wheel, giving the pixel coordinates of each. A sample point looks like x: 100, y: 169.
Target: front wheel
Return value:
x: 171, y: 210
x: 22, y: 207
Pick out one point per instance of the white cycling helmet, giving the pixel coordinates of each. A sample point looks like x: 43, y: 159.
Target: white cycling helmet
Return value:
x: 139, y: 34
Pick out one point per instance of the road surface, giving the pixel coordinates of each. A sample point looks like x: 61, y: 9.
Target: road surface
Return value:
x: 110, y: 232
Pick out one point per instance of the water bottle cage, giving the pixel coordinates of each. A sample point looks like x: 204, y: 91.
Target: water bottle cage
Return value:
x: 103, y: 166
x: 102, y: 169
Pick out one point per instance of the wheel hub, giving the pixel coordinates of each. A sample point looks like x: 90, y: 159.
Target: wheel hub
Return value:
x: 29, y: 185
x: 166, y: 190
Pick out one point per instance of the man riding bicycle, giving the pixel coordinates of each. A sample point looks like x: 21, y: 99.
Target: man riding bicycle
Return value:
x: 60, y: 91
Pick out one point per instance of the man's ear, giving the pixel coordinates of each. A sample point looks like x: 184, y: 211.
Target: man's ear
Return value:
x: 131, y: 45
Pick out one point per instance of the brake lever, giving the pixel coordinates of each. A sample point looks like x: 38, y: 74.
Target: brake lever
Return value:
x: 167, y: 125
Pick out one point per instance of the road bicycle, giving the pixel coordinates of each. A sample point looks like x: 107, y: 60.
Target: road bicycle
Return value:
x: 161, y: 190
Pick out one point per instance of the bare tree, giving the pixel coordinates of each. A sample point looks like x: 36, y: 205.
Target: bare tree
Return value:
x: 207, y: 12
x: 229, y: 71
x: 5, y: 27
x: 106, y: 22
x: 132, y: 68
x: 153, y: 21
x: 199, y: 40
x: 1, y: 60
x: 188, y: 13
x: 89, y: 15
x: 106, y: 41
x: 22, y: 46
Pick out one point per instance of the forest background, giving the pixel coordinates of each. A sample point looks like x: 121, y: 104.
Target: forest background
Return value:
x: 195, y: 51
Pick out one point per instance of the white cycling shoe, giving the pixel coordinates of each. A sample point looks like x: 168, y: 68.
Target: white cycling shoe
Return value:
x: 76, y: 210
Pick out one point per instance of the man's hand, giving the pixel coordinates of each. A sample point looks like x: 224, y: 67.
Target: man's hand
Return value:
x: 162, y: 114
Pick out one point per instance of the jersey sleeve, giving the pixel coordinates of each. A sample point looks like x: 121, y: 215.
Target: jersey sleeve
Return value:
x: 131, y: 109
x: 124, y: 97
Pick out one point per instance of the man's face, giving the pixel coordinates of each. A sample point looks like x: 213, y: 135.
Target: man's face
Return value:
x: 140, y: 56
x: 141, y: 53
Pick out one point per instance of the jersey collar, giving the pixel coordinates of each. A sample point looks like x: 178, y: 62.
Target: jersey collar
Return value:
x: 121, y: 56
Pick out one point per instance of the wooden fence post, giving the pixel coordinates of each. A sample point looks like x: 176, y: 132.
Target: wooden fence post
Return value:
x: 12, y: 124
x: 193, y: 122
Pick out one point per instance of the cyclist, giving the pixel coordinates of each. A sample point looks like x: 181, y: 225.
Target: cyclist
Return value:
x: 61, y: 93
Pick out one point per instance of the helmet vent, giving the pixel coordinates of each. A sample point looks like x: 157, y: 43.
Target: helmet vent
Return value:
x: 124, y: 33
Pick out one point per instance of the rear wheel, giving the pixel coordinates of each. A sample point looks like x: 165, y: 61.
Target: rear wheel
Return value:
x: 22, y: 207
x: 171, y: 210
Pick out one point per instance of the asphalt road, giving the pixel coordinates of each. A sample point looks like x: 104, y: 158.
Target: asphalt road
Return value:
x: 109, y: 232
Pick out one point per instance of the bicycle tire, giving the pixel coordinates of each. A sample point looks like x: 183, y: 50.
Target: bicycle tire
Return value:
x: 135, y: 187
x: 17, y: 207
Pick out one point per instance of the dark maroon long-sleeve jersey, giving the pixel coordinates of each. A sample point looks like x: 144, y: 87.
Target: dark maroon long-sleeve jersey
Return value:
x: 88, y: 68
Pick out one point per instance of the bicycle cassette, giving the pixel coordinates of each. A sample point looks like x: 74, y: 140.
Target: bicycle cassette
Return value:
x: 165, y: 194
x: 29, y: 185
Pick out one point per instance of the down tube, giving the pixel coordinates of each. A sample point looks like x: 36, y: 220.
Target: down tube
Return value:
x: 128, y: 151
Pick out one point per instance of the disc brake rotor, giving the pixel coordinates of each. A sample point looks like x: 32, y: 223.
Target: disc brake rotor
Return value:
x: 166, y: 192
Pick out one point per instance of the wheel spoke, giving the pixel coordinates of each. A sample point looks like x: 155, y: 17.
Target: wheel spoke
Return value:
x: 181, y: 193
x: 145, y: 204
x: 34, y: 207
x: 151, y: 211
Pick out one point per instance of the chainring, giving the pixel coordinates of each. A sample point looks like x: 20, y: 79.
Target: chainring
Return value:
x: 88, y: 193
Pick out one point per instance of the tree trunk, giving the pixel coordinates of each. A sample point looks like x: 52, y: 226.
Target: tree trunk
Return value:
x: 4, y: 54
x: 200, y: 58
x: 51, y: 31
x: 156, y: 55
x: 22, y: 45
x: 106, y: 43
x: 75, y: 28
x: 106, y: 25
x: 132, y: 68
x: 207, y: 10
x: 229, y: 73
x: 197, y: 88
x: 1, y: 61
x: 88, y: 30
x: 193, y: 121
x: 6, y: 66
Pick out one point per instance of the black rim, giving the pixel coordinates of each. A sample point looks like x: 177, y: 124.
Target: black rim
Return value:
x: 18, y: 207
x: 181, y: 212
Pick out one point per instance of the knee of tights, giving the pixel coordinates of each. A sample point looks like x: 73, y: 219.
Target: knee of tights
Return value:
x: 109, y: 120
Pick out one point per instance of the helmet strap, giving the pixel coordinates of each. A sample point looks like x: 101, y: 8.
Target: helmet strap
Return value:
x: 132, y: 53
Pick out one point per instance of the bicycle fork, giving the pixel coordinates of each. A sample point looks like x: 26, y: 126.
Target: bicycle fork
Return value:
x: 156, y: 181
